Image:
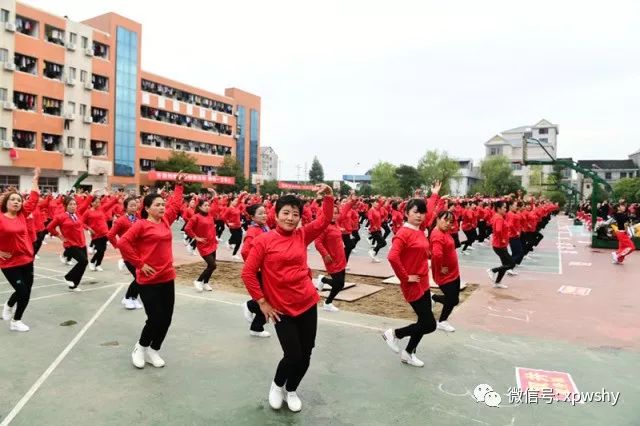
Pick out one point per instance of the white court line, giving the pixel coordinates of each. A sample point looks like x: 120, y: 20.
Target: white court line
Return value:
x: 32, y: 288
x: 23, y: 401
x: 211, y: 299
x: 559, y: 261
x: 49, y: 296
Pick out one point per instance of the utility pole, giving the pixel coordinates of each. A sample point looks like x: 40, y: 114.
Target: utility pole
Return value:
x: 298, y: 174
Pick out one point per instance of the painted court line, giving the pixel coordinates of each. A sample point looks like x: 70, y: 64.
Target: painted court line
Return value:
x: 23, y: 401
x: 33, y: 288
x: 49, y: 296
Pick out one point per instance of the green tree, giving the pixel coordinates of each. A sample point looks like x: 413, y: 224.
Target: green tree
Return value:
x: 384, y: 180
x: 557, y: 197
x: 365, y: 190
x: 180, y: 160
x: 231, y: 167
x: 270, y: 187
x: 627, y: 188
x: 409, y: 179
x: 498, y: 177
x: 316, y: 173
x: 438, y: 166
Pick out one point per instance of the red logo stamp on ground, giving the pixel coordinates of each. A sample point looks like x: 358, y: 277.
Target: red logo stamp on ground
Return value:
x: 542, y: 381
x: 574, y: 291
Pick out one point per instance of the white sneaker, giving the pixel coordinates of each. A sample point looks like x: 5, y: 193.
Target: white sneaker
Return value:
x: 318, y: 282
x: 198, y: 285
x: 36, y: 257
x: 500, y: 285
x: 99, y: 269
x: 614, y: 257
x: 512, y: 272
x: 7, y: 312
x: 121, y: 265
x: 412, y: 359
x: 348, y: 268
x: 69, y: 262
x: 63, y: 260
x: 263, y: 333
x: 276, y: 396
x: 18, y: 326
x: 630, y: 232
x: 207, y: 287
x: 248, y: 315
x: 91, y: 250
x: 77, y: 289
x: 151, y: 356
x: 92, y: 266
x: 195, y: 252
x: 227, y: 245
x: 293, y: 402
x: 493, y: 276
x: 189, y: 249
x: 372, y: 254
x: 138, y: 304
x: 463, y: 285
x: 466, y: 252
x: 392, y: 341
x: 376, y: 260
x: 129, y: 304
x: 138, y: 355
x: 330, y: 307
x: 44, y: 243
x: 236, y: 257
x: 471, y: 248
x: 445, y: 326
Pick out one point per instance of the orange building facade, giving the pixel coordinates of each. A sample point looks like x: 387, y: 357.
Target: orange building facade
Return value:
x: 74, y: 99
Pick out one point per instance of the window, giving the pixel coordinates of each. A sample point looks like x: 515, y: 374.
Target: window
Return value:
x: 607, y: 175
x: 240, y: 141
x: 71, y: 141
x: 85, y: 42
x: 100, y: 82
x: 72, y: 73
x: 52, y: 70
x: 51, y: 142
x: 4, y: 15
x: 48, y: 184
x: 544, y: 140
x: 3, y: 133
x: 4, y: 55
x: 10, y: 181
x: 83, y: 110
x: 72, y: 107
x: 100, y: 115
x: 83, y: 76
x: 24, y: 139
x: 543, y: 131
x: 3, y: 94
x: 73, y: 38
x: 254, y: 131
x: 54, y: 35
x: 26, y: 63
x: 516, y: 166
x: 51, y: 106
x: 26, y: 26
x: 126, y: 91
x: 623, y: 175
x: 495, y: 151
x: 528, y: 135
x: 98, y: 148
x: 100, y: 50
x: 25, y: 101
x: 82, y: 142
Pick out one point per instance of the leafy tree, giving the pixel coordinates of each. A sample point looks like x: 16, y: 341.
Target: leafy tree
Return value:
x: 438, y: 166
x: 231, y: 167
x: 180, y: 160
x: 409, y: 179
x: 627, y: 188
x: 498, y: 177
x: 384, y: 180
x: 316, y: 173
x: 365, y: 190
x: 270, y: 187
x: 557, y: 197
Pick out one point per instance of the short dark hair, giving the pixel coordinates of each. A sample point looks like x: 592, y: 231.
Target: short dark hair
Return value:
x: 5, y: 200
x: 127, y: 200
x: 253, y: 208
x: 498, y: 204
x: 418, y: 203
x: 289, y: 200
x: 66, y: 200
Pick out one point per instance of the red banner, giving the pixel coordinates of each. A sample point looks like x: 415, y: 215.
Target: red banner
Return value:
x: 190, y: 177
x: 296, y: 186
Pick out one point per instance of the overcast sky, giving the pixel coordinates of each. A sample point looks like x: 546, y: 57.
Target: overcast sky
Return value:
x: 369, y: 80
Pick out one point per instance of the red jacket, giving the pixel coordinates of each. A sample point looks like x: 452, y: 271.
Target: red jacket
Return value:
x: 469, y: 220
x: 500, y: 237
x: 119, y: 227
x: 397, y: 220
x: 443, y: 254
x: 151, y: 243
x: 282, y: 259
x: 202, y: 226
x: 14, y: 235
x: 96, y: 220
x: 252, y: 232
x: 375, y: 221
x: 330, y: 243
x: 513, y: 221
x: 71, y: 230
x: 409, y: 255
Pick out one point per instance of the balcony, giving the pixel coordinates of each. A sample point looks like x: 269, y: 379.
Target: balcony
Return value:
x: 24, y: 139
x: 181, y: 95
x: 99, y: 115
x: 26, y: 26
x: 146, y: 165
x: 52, y: 143
x: 53, y: 70
x: 26, y: 63
x: 98, y: 148
x: 184, y: 120
x: 100, y: 82
x: 100, y: 50
x: 24, y: 101
x: 54, y: 35
x: 51, y: 106
x: 159, y: 141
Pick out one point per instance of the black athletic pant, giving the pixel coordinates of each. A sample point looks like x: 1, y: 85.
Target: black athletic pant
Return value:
x: 472, y: 236
x: 356, y: 237
x: 450, y: 299
x: 79, y: 254
x: 337, y: 284
x: 37, y: 244
x: 100, y: 244
x: 517, y: 252
x: 158, y: 300
x: 211, y: 266
x: 219, y: 227
x: 348, y: 245
x: 387, y: 230
x: 456, y: 239
x: 506, y: 260
x: 236, y: 238
x: 21, y: 279
x: 297, y: 336
x: 134, y: 289
x: 426, y: 322
x: 380, y: 242
x: 482, y: 231
x: 537, y: 237
x: 259, y: 320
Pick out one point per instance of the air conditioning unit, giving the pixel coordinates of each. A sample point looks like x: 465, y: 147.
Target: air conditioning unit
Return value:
x: 10, y: 26
x: 88, y: 51
x: 69, y: 81
x: 68, y: 151
x: 88, y: 85
x: 70, y: 46
x: 87, y: 153
x: 236, y: 113
x: 88, y: 119
x: 7, y: 144
x: 8, y: 105
x: 69, y: 116
x: 236, y: 136
x: 9, y: 66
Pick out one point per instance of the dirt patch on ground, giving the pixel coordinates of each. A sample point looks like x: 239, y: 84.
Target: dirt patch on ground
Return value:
x: 388, y: 303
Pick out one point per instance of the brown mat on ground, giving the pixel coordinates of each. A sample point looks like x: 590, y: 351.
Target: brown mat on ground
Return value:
x: 355, y: 292
x: 327, y: 287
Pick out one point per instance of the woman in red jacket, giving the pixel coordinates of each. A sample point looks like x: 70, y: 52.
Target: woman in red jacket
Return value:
x: 147, y: 245
x: 287, y: 295
x: 119, y: 228
x: 408, y: 257
x: 69, y: 227
x: 375, y: 231
x: 444, y: 265
x: 500, y: 241
x: 232, y: 217
x: 469, y: 224
x: 16, y: 252
x: 251, y: 309
x: 95, y: 219
x: 202, y: 230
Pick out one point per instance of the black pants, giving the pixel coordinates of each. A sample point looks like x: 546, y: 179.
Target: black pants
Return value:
x: 356, y: 237
x: 482, y: 230
x: 297, y: 336
x: 472, y: 236
x: 348, y: 245
x: 387, y: 230
x: 337, y: 284
x: 450, y: 299
x: 79, y: 254
x: 506, y: 260
x: 134, y: 289
x: 21, y: 279
x: 259, y: 320
x: 456, y: 239
x: 517, y: 252
x: 100, y: 244
x: 219, y: 227
x: 380, y: 242
x: 158, y: 300
x: 426, y: 322
x: 211, y: 266
x: 236, y: 238
x: 537, y: 237
x: 37, y: 244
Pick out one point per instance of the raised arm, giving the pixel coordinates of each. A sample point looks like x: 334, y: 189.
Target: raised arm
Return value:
x: 313, y: 229
x: 32, y: 202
